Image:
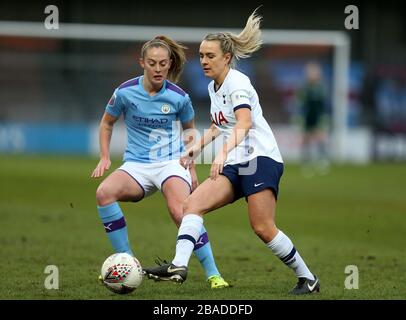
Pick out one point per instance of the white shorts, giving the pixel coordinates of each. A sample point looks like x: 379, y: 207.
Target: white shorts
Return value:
x: 152, y: 176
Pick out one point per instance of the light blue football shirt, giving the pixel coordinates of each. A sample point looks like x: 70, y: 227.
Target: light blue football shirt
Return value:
x: 153, y: 130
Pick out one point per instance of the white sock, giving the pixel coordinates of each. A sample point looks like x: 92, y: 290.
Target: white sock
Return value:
x: 189, y: 232
x: 284, y: 249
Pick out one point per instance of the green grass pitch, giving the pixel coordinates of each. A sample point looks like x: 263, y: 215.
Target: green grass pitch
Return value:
x: 356, y: 215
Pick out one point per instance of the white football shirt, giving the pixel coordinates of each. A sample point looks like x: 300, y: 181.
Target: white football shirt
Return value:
x: 237, y: 92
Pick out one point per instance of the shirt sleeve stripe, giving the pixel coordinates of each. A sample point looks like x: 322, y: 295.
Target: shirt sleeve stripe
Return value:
x: 242, y: 106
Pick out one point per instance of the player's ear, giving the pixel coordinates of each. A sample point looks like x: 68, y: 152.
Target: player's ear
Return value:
x: 141, y: 62
x: 227, y: 57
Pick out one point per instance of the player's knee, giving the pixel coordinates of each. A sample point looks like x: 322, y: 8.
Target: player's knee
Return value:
x: 258, y: 229
x: 263, y: 231
x: 188, y: 206
x: 194, y: 205
x: 185, y: 205
x: 103, y: 196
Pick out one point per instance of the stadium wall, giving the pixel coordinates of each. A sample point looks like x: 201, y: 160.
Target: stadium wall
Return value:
x: 49, y: 138
x: 52, y: 138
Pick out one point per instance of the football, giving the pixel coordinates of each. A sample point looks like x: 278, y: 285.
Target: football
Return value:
x: 121, y: 273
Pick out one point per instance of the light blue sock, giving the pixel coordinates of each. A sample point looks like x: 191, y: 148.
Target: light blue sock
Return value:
x: 115, y: 226
x: 203, y: 252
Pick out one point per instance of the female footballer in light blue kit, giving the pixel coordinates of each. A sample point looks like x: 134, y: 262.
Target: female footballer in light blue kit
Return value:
x: 249, y: 165
x: 152, y: 107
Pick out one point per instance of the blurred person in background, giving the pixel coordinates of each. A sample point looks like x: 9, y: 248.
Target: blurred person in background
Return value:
x: 314, y: 122
x: 151, y: 105
x: 249, y: 165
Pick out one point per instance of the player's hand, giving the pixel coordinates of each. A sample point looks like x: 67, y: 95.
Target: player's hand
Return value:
x: 195, y: 181
x: 103, y: 165
x: 218, y: 165
x: 188, y: 157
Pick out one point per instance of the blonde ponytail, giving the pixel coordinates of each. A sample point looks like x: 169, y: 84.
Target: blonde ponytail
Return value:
x: 242, y: 45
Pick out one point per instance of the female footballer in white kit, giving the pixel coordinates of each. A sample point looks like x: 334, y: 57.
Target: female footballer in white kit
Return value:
x: 151, y: 106
x: 249, y: 164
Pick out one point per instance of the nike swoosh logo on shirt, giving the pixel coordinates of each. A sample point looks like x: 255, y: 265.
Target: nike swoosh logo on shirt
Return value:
x: 258, y: 184
x: 311, y: 287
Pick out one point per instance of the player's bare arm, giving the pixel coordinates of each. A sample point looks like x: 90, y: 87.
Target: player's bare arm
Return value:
x: 189, y: 138
x: 105, y: 132
x: 194, y: 151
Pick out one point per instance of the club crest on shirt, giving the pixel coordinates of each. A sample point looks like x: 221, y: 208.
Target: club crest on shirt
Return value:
x: 165, y: 108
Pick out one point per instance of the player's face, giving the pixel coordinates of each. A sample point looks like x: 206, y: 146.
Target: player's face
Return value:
x: 156, y: 64
x: 214, y: 62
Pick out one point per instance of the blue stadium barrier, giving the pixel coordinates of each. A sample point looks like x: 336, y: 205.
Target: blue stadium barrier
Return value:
x: 44, y: 138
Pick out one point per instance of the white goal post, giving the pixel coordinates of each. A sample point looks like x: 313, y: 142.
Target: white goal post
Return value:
x: 338, y: 40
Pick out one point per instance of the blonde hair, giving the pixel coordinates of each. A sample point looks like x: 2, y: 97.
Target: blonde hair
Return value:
x: 176, y: 54
x: 243, y: 45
